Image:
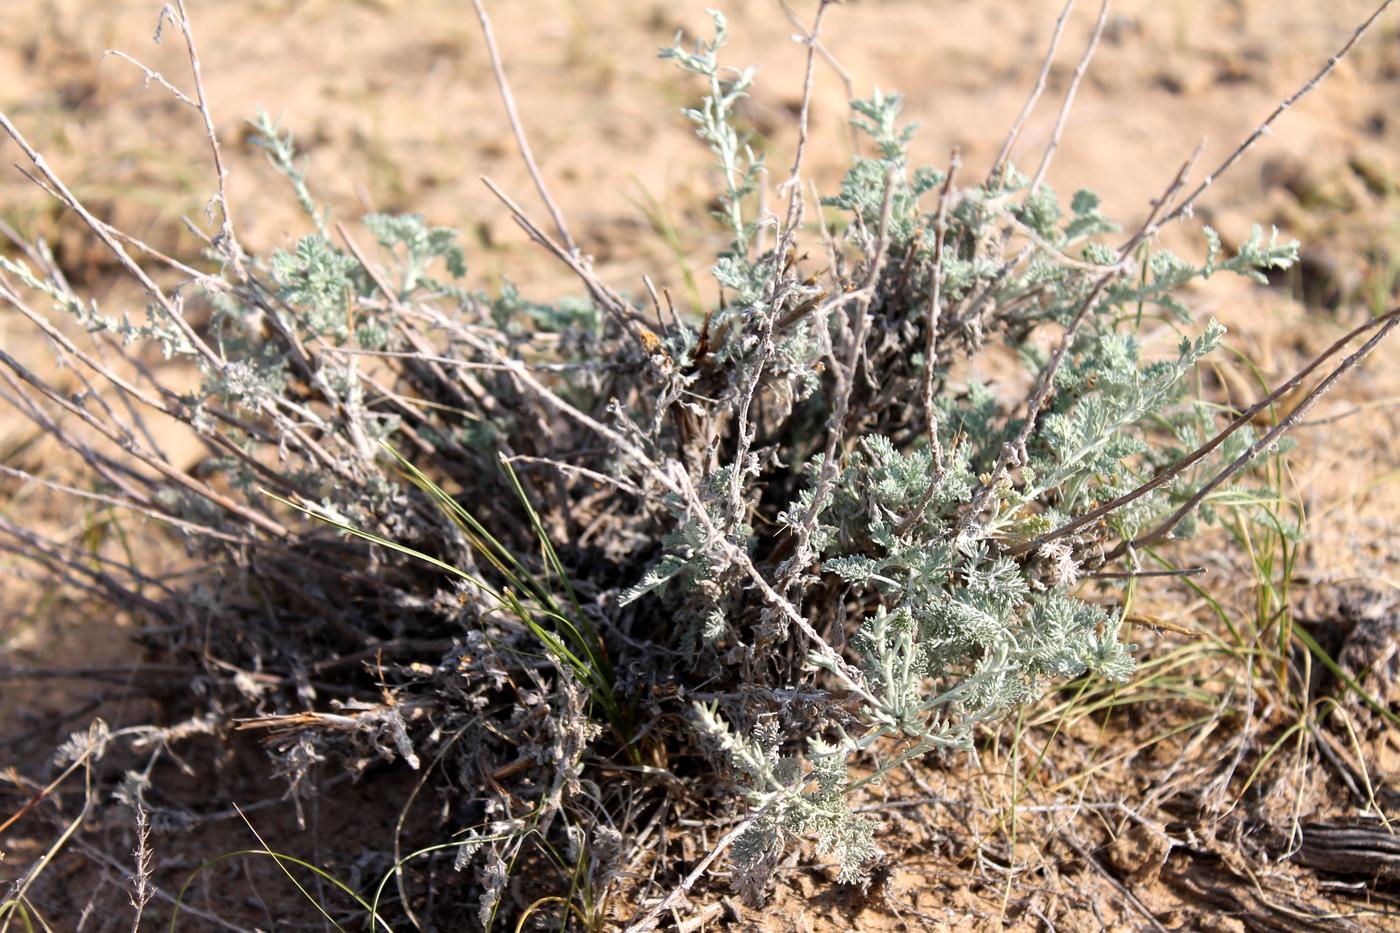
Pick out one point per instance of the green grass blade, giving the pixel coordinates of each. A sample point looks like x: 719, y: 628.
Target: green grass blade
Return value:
x: 1380, y: 709
x: 280, y: 858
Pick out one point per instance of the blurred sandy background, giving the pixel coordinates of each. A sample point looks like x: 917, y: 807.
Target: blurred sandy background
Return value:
x: 395, y: 107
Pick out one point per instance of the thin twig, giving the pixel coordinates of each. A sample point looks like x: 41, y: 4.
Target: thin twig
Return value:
x: 1069, y: 99
x: 1246, y: 417
x: 1142, y: 574
x: 931, y: 326
x: 1160, y: 204
x: 171, y: 309
x: 594, y: 475
x: 679, y: 484
x: 1045, y: 380
x: 1116, y: 884
x: 793, y: 185
x: 96, y: 744
x: 226, y: 236
x: 1263, y: 129
x: 831, y: 61
x: 159, y: 893
x: 1390, y: 320
x: 179, y: 477
x: 153, y: 75
x: 846, y: 373
x: 508, y: 100
x: 648, y: 920
x: 139, y: 508
x: 994, y: 176
x: 1039, y: 393
x: 610, y: 300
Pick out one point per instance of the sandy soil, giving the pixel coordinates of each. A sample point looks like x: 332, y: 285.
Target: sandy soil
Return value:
x: 395, y: 107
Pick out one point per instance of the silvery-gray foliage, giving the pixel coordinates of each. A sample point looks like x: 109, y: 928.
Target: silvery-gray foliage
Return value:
x: 949, y: 631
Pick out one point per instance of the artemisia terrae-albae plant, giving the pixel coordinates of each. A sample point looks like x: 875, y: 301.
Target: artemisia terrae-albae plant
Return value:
x: 796, y: 531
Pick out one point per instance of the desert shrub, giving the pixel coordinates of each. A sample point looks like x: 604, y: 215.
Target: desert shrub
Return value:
x: 803, y: 534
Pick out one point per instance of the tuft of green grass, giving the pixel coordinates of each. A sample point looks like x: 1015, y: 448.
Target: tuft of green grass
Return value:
x: 562, y: 627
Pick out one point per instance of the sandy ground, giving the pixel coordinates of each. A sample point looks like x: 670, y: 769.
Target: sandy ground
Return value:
x: 394, y: 106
